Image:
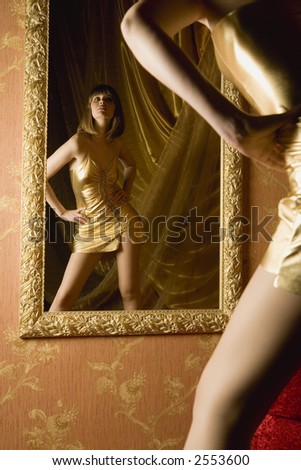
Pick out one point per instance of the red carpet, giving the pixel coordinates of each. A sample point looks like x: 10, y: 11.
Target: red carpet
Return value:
x: 281, y: 428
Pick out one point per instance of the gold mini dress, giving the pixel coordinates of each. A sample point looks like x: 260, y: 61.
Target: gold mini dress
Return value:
x: 94, y: 189
x: 258, y: 48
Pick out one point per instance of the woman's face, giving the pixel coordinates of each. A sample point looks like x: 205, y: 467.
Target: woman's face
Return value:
x: 102, y: 107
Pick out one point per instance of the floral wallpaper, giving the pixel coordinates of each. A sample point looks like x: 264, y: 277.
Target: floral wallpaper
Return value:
x: 81, y: 393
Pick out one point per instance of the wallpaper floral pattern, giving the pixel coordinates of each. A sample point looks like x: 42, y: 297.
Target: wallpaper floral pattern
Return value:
x: 80, y: 393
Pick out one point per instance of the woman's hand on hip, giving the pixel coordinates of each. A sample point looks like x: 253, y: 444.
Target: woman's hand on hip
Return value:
x: 261, y: 140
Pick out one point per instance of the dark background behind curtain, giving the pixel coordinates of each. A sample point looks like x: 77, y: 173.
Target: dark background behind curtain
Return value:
x: 176, y: 152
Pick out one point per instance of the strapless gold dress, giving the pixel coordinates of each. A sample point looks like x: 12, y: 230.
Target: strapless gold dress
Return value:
x: 258, y: 48
x: 94, y: 190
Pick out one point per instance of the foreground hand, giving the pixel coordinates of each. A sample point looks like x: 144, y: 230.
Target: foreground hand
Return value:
x: 260, y: 139
x: 76, y: 215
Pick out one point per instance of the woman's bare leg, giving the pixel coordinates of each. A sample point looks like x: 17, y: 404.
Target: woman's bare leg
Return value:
x: 79, y: 268
x: 256, y: 356
x: 128, y: 273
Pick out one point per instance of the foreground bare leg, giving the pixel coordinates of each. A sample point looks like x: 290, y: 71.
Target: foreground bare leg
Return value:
x: 128, y: 273
x: 256, y: 356
x: 78, y: 270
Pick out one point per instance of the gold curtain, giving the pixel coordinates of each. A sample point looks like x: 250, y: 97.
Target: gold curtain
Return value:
x: 177, y: 188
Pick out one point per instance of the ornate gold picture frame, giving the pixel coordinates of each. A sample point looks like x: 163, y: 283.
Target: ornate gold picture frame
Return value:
x: 34, y: 322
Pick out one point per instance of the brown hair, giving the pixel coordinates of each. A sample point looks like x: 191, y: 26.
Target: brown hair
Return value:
x: 117, y: 124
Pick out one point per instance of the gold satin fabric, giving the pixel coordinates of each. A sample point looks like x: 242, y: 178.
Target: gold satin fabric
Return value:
x: 176, y: 152
x: 258, y: 48
x: 94, y: 188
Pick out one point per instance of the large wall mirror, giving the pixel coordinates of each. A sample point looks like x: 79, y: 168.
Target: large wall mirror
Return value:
x: 187, y: 189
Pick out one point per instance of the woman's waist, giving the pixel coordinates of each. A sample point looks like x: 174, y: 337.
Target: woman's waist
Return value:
x: 99, y: 211
x: 103, y: 211
x: 99, y: 199
x: 290, y: 140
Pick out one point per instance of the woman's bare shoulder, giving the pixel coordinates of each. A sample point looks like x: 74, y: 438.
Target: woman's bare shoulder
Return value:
x: 79, y: 141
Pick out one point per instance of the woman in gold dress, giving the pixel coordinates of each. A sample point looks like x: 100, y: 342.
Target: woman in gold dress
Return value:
x: 103, y: 214
x: 258, y: 47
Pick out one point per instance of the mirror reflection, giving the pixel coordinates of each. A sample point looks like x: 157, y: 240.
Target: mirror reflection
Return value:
x: 168, y: 257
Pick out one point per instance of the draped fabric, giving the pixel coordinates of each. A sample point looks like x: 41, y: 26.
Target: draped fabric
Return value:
x: 177, y: 187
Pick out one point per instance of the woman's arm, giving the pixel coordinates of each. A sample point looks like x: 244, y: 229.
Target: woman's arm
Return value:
x: 148, y: 28
x: 61, y: 157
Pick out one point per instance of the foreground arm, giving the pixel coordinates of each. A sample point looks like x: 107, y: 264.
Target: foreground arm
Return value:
x: 148, y: 28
